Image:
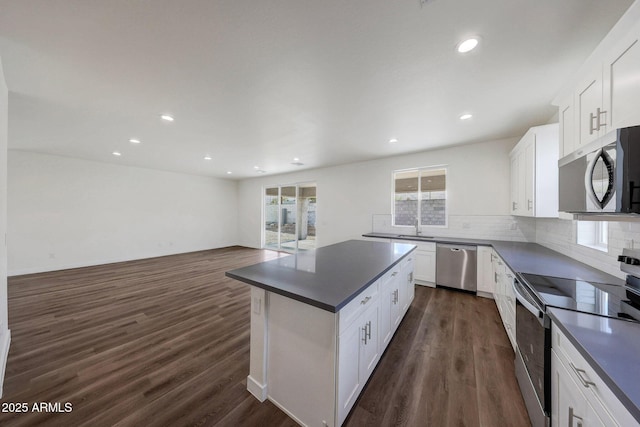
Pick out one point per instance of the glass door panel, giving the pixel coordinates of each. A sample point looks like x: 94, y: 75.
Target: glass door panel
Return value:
x: 290, y: 217
x: 271, y: 218
x: 288, y: 214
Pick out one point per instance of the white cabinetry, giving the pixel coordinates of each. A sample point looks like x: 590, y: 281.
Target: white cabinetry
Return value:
x: 606, y: 94
x: 579, y: 397
x: 486, y: 286
x: 534, y: 173
x: 425, y: 263
x: 504, y: 296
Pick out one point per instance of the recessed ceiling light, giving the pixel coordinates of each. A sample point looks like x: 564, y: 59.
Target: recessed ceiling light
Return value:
x: 393, y: 141
x: 229, y: 172
x: 256, y: 167
x: 468, y: 45
x: 166, y: 117
x: 295, y: 159
x: 117, y: 153
x: 465, y: 116
x: 207, y: 157
x: 261, y: 171
x: 134, y: 141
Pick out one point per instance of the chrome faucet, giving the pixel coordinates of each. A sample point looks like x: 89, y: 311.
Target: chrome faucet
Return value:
x: 418, y: 232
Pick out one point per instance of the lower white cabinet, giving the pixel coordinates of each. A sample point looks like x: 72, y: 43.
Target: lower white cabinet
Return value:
x: 486, y: 284
x: 504, y: 295
x: 359, y: 353
x: 569, y: 406
x: 425, y: 264
x: 579, y: 397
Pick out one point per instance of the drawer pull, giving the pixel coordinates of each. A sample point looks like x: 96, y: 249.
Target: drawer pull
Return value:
x: 572, y: 416
x: 580, y: 373
x: 395, y: 273
x: 366, y: 300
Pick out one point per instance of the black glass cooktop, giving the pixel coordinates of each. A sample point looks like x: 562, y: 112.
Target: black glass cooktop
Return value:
x: 579, y: 295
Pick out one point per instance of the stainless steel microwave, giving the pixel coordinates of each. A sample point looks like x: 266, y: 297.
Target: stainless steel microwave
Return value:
x: 603, y: 177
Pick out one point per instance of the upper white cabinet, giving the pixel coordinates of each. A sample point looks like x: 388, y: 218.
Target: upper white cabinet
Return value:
x: 621, y: 88
x: 605, y: 94
x: 534, y: 173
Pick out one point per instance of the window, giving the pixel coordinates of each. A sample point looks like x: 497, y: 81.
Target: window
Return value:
x: 593, y: 234
x: 420, y: 193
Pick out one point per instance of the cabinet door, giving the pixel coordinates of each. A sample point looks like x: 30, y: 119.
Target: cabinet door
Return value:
x: 386, y: 320
x: 514, y: 209
x: 567, y: 128
x: 425, y: 266
x: 349, y: 384
x: 589, y: 102
x: 621, y: 85
x: 569, y: 406
x: 369, y: 352
x: 485, y: 270
x: 529, y: 157
x: 406, y: 280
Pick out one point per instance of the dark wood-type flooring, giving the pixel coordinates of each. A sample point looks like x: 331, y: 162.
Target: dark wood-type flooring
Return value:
x: 165, y: 342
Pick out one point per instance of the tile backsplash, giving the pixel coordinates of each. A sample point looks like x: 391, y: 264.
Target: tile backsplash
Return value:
x: 560, y: 235
x: 490, y: 227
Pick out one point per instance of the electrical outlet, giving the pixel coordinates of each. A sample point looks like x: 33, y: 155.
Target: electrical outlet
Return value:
x: 514, y: 226
x: 628, y: 243
x: 466, y: 225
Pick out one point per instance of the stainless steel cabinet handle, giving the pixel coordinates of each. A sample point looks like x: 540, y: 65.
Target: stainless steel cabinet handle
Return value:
x: 572, y: 416
x: 599, y: 114
x: 366, y: 300
x: 395, y: 273
x: 579, y: 372
x: 364, y: 333
x: 369, y: 329
x: 592, y: 119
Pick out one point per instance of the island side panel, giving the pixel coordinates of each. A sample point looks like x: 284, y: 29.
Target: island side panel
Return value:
x: 302, y: 360
x: 257, y: 379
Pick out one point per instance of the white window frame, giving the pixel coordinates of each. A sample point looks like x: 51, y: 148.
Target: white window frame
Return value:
x: 593, y: 234
x: 420, y: 170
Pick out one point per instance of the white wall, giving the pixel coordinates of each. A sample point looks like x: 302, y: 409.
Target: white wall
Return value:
x: 5, y: 335
x: 66, y: 212
x: 560, y: 235
x: 348, y: 195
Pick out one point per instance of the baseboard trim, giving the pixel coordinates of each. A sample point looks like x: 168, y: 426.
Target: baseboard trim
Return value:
x: 258, y: 390
x: 4, y: 355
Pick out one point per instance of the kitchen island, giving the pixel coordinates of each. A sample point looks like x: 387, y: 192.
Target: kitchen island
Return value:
x: 320, y: 320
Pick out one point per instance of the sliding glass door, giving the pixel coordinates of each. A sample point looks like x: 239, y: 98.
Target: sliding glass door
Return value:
x: 289, y: 217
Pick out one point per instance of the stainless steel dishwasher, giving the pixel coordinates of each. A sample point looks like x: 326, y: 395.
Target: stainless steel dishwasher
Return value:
x: 456, y: 266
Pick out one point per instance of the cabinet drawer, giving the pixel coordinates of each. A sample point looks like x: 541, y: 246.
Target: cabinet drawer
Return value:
x: 593, y: 386
x: 362, y: 301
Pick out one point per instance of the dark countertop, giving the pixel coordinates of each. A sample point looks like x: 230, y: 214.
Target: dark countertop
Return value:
x: 611, y: 347
x: 524, y: 257
x: 327, y: 277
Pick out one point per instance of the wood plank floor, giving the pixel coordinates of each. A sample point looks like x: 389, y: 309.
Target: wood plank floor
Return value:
x: 165, y: 342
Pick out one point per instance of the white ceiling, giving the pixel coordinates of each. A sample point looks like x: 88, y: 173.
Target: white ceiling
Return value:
x: 257, y: 83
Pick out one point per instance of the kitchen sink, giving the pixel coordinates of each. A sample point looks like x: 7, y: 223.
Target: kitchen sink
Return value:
x: 413, y: 236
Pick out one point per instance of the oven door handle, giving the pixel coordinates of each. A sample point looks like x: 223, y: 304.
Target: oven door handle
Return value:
x: 519, y: 290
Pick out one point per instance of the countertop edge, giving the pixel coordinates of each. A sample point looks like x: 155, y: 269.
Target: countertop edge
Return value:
x: 629, y: 404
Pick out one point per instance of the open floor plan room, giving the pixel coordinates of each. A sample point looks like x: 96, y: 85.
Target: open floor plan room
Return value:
x: 165, y: 341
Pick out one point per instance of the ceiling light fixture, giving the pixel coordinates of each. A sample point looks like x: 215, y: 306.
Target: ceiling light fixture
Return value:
x: 229, y: 172
x: 465, y: 116
x: 134, y: 141
x: 117, y: 153
x: 207, y: 157
x: 166, y: 117
x: 256, y: 167
x: 295, y: 159
x: 468, y: 45
x: 393, y: 141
